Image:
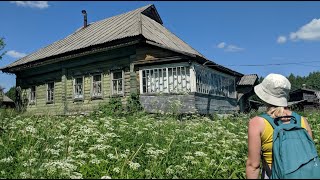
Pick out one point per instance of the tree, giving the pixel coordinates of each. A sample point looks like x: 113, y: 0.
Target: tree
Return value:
x: 2, y: 45
x: 12, y: 93
x: 313, y: 81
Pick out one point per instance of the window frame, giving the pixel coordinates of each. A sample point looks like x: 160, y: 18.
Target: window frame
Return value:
x: 101, y: 84
x: 49, y: 101
x: 76, y: 97
x: 222, y: 81
x: 112, y: 79
x: 33, y: 101
x: 176, y: 78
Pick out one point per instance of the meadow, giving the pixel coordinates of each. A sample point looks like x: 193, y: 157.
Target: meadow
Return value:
x: 133, y: 145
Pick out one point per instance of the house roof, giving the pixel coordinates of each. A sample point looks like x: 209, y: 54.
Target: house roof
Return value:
x: 317, y: 94
x: 295, y: 102
x: 249, y: 79
x: 143, y: 21
x: 7, y: 99
x: 306, y: 90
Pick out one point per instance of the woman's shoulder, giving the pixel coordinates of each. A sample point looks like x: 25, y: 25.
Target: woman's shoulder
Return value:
x: 256, y: 121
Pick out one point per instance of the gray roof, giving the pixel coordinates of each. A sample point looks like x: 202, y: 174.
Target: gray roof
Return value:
x: 7, y: 99
x: 304, y: 89
x: 249, y: 79
x: 295, y: 102
x: 143, y: 21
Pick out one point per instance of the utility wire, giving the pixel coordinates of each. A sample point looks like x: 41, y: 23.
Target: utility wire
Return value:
x: 275, y: 64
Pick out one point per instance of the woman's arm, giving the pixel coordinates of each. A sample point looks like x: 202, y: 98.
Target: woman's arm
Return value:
x: 254, y: 148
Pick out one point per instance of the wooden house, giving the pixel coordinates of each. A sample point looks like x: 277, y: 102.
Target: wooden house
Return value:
x: 304, y: 99
x: 245, y: 91
x: 129, y: 53
x: 5, y: 101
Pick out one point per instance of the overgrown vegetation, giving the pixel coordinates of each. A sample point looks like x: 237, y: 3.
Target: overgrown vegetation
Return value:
x: 119, y: 141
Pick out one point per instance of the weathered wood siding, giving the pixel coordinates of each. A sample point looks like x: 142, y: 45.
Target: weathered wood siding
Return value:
x: 147, y: 53
x: 169, y: 103
x: 63, y: 74
x: 209, y: 104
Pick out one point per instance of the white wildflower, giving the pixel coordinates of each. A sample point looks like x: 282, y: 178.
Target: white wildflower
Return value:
x: 76, y: 175
x: 95, y: 161
x: 24, y: 175
x: 169, y: 170
x: 31, y: 129
x: 200, y: 154
x: 133, y: 165
x: 7, y: 160
x: 105, y: 177
x: 116, y: 170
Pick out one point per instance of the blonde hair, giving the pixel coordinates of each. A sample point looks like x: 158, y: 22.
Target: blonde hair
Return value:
x: 275, y: 111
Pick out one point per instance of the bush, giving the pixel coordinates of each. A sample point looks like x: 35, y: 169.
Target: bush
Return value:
x: 113, y: 107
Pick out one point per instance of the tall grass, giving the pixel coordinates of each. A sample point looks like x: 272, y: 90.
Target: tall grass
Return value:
x: 135, y: 145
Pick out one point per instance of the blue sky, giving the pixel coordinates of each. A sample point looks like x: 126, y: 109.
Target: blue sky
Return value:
x: 248, y: 37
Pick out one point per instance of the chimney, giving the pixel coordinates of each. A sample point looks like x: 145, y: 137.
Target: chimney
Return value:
x: 304, y: 86
x: 85, y: 24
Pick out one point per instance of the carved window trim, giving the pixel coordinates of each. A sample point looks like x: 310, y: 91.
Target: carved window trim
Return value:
x: 78, y: 88
x: 32, y: 95
x: 167, y: 78
x: 94, y: 94
x: 50, y: 92
x: 115, y: 88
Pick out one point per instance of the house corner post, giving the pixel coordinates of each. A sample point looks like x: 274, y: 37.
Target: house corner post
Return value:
x: 193, y: 78
x: 133, y: 75
x: 64, y: 90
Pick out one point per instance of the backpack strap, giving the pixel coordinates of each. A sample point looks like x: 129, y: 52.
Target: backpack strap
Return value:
x: 265, y: 168
x: 269, y: 119
x: 272, y: 122
x: 298, y: 118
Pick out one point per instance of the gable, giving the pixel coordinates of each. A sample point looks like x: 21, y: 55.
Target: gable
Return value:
x: 143, y: 21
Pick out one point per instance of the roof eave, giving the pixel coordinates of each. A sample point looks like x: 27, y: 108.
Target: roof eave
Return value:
x: 70, y: 55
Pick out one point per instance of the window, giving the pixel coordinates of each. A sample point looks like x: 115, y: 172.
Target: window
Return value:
x: 32, y: 95
x: 50, y: 92
x: 215, y: 83
x: 96, y: 90
x: 78, y: 88
x: 167, y: 79
x: 117, y: 82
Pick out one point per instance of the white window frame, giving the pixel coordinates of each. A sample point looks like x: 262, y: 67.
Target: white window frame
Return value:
x: 48, y: 98
x: 32, y: 95
x: 77, y: 96
x: 122, y: 82
x: 92, y: 86
x: 168, y: 81
x: 207, y: 85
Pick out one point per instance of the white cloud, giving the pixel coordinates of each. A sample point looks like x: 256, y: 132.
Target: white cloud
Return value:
x: 233, y: 48
x: 281, y: 39
x: 32, y: 4
x: 15, y: 54
x: 221, y: 45
x: 229, y: 48
x: 308, y: 32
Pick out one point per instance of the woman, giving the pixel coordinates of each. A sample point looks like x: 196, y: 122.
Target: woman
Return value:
x: 274, y: 91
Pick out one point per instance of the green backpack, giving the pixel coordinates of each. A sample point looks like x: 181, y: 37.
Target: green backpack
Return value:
x: 294, y: 154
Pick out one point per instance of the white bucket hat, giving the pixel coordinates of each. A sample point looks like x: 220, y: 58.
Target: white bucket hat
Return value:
x: 274, y: 90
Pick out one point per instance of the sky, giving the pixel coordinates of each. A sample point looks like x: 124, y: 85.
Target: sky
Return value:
x: 250, y: 37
